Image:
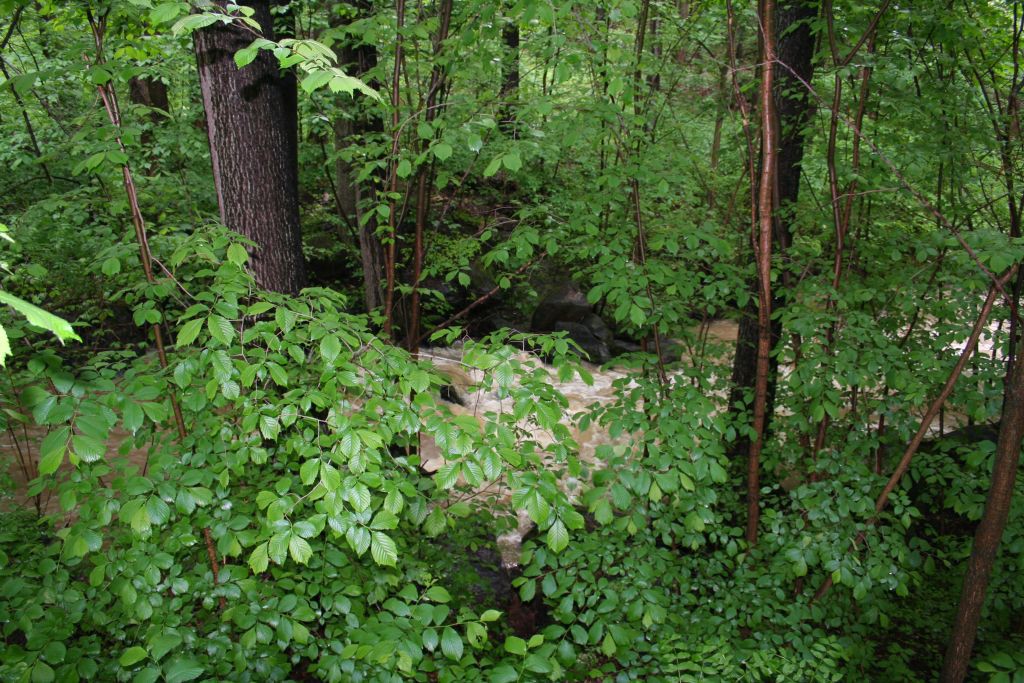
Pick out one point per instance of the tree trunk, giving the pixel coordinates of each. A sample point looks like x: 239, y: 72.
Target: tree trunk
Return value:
x: 795, y: 51
x: 510, y: 76
x: 766, y: 203
x: 358, y: 59
x: 251, y: 121
x: 990, y: 530
x: 152, y: 94
x: 149, y: 92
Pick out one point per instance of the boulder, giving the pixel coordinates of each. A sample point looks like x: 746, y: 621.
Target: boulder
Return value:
x: 564, y: 304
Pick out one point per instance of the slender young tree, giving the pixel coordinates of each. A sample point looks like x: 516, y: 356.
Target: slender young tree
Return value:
x: 762, y: 238
x: 990, y: 530
x: 251, y: 121
x: 792, y: 105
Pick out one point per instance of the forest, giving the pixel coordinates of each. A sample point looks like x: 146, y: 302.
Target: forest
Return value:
x: 511, y: 340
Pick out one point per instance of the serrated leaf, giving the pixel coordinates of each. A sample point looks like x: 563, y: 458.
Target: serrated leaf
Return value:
x: 220, y: 329
x: 243, y: 58
x: 383, y: 549
x: 189, y: 331
x: 259, y: 560
x: 299, y: 549
x: 315, y: 80
x: 87, y: 448
x: 36, y: 316
x: 52, y: 449
x: 330, y: 347
x: 558, y: 536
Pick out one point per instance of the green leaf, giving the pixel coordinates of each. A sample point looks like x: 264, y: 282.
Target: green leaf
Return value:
x: 442, y: 151
x: 132, y: 655
x: 504, y: 673
x: 166, y: 12
x: 437, y: 594
x: 163, y: 643
x: 189, y: 331
x: 490, y: 615
x: 558, y: 536
x: 52, y: 449
x: 87, y: 448
x: 330, y: 347
x: 36, y: 316
x: 317, y: 79
x: 243, y: 58
x: 404, y: 168
x: 451, y: 643
x: 111, y: 266
x: 236, y: 252
x: 512, y: 161
x: 299, y: 549
x: 608, y: 645
x: 259, y: 560
x: 492, y: 167
x: 42, y: 673
x: 383, y: 549
x: 133, y: 416
x: 515, y: 645
x: 181, y: 670
x: 220, y: 329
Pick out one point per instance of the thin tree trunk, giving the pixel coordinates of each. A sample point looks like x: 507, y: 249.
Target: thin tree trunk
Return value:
x: 251, y: 121
x: 150, y: 93
x: 358, y: 59
x: 425, y: 176
x: 510, y: 76
x: 396, y: 132
x: 763, y: 254
x: 795, y: 50
x: 990, y: 530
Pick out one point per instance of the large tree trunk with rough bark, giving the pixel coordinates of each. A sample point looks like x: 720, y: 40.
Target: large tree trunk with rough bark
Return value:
x: 251, y: 121
x: 990, y: 530
x: 795, y: 52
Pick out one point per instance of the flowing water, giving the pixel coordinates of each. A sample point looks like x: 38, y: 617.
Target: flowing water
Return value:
x: 469, y: 399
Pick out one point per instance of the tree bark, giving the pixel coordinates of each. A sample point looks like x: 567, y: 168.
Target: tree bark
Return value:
x: 149, y: 92
x: 425, y: 175
x: 794, y: 52
x: 990, y: 530
x: 766, y: 201
x: 251, y: 121
x: 358, y: 59
x: 509, y: 76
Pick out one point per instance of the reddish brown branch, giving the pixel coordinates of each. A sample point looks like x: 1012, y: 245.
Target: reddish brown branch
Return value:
x: 926, y: 420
